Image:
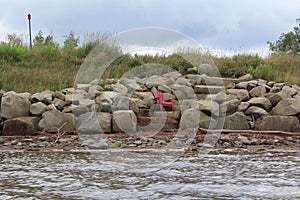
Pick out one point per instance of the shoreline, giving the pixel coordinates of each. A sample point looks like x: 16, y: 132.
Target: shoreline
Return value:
x: 169, y: 140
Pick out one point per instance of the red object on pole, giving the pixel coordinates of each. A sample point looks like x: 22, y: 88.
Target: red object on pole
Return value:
x: 30, y: 40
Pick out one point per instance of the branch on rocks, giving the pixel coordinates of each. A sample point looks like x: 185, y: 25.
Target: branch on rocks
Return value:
x: 250, y: 132
x: 59, y: 134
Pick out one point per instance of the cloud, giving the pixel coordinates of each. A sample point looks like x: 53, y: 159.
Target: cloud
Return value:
x: 229, y: 24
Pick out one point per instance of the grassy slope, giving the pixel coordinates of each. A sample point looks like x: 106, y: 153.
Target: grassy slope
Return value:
x: 54, y: 68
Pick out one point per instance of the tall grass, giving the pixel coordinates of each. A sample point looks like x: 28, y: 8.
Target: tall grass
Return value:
x: 51, y: 67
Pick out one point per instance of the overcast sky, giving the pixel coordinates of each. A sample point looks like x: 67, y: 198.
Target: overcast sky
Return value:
x: 237, y: 25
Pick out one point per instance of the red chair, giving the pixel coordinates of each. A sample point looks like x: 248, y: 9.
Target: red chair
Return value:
x: 159, y: 98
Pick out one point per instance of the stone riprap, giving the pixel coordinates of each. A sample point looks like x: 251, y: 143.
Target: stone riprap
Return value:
x: 127, y: 105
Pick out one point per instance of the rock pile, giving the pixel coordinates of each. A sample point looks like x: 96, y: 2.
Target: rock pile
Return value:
x: 127, y: 105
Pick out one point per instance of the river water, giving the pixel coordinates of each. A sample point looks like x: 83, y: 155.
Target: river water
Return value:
x: 149, y: 175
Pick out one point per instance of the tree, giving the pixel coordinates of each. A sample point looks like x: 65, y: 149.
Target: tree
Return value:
x: 39, y: 39
x: 15, y: 40
x: 287, y: 43
x: 71, y: 41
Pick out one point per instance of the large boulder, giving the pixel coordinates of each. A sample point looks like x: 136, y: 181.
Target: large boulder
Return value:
x: 208, y: 107
x: 20, y: 126
x: 14, y: 105
x: 154, y: 81
x: 262, y: 102
x: 190, y: 119
x: 38, y: 108
x: 53, y: 120
x: 287, y: 107
x: 125, y: 103
x: 241, y: 94
x: 124, y: 121
x: 45, y: 97
x: 274, y: 98
x: 258, y: 91
x: 207, y: 69
x: 229, y: 107
x: 277, y: 123
x: 94, y: 123
x: 183, y: 92
x: 256, y: 112
x: 236, y: 121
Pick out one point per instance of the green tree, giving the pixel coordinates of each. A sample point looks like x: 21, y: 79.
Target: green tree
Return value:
x: 40, y: 40
x: 15, y: 40
x: 287, y: 43
x: 71, y: 41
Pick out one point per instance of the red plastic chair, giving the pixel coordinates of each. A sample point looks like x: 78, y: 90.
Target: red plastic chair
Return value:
x: 159, y: 98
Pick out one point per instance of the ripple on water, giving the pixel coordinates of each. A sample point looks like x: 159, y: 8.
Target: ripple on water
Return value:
x: 151, y: 175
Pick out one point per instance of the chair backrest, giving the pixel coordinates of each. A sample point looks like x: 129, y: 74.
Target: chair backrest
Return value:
x: 158, y: 96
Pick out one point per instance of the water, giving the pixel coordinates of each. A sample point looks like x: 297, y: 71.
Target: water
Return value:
x: 150, y: 175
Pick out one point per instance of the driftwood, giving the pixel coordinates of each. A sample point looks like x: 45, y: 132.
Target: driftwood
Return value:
x: 224, y: 131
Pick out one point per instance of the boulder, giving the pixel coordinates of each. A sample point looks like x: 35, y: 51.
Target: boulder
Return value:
x: 83, y: 86
x: 246, y: 77
x: 193, y: 118
x: 262, y: 102
x: 277, y: 123
x: 54, y: 119
x: 241, y: 94
x: 74, y: 98
x: 183, y: 92
x: 120, y: 88
x: 287, y: 107
x: 219, y: 97
x: 102, y: 107
x: 258, y: 91
x: 14, y: 105
x: 208, y: 89
x: 274, y: 98
x: 207, y: 70
x: 207, y: 80
x: 45, y: 97
x: 242, y: 85
x: 58, y: 103
x: 208, y: 107
x: 277, y: 87
x: 125, y: 103
x: 59, y: 95
x: 20, y: 126
x: 288, y: 91
x: 164, y: 88
x: 196, y: 78
x: 94, y: 123
x: 183, y: 81
x: 243, y: 106
x: 236, y: 121
x: 154, y: 81
x: 124, y: 121
x: 38, y: 108
x: 229, y: 107
x: 94, y: 91
x: 256, y: 112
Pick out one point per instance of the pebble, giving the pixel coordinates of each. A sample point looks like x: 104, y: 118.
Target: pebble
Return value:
x: 27, y: 140
x: 43, y: 138
x: 14, y: 142
x: 2, y: 140
x: 137, y: 142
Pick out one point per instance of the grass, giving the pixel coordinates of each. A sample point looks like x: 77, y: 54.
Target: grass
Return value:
x: 51, y: 67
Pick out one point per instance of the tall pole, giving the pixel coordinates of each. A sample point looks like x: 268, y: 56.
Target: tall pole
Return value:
x: 29, y: 18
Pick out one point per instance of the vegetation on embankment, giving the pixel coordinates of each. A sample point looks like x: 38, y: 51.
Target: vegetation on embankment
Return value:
x: 49, y: 66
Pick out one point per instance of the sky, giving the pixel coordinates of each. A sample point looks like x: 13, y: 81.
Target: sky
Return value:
x: 227, y: 25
